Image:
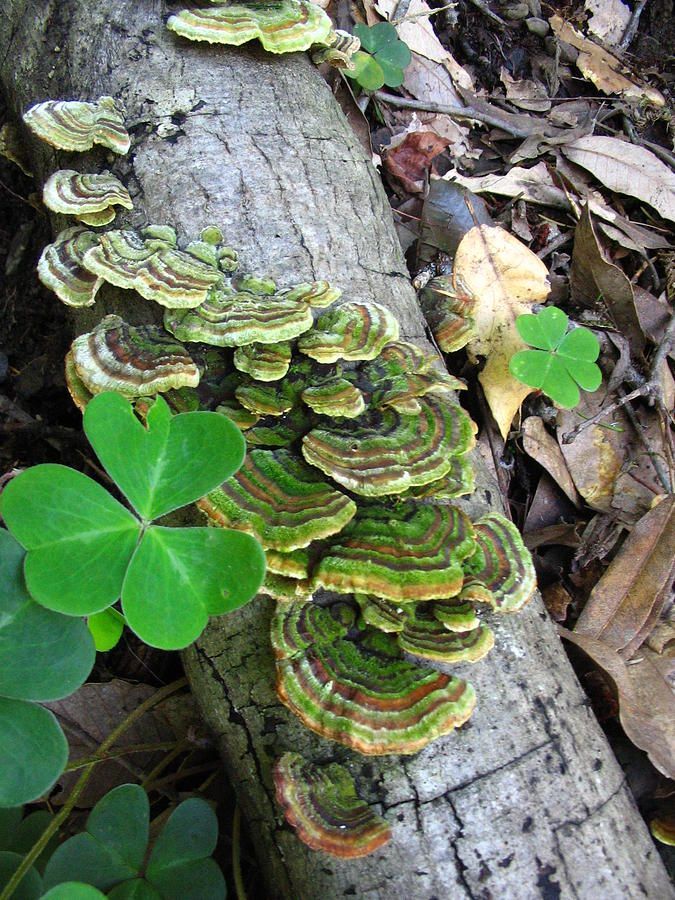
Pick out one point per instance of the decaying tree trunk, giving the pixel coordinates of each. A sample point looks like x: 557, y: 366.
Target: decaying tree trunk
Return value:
x: 527, y: 800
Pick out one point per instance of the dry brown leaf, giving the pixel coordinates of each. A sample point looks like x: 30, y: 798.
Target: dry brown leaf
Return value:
x: 525, y: 93
x: 611, y: 470
x: 505, y: 278
x: 646, y: 699
x: 594, y: 277
x: 556, y: 599
x: 90, y: 714
x: 628, y: 169
x: 608, y: 19
x: 543, y: 448
x: 601, y: 67
x: 626, y: 603
x: 410, y: 160
x: 534, y: 184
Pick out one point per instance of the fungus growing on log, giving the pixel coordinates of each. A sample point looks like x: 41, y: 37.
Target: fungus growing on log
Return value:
x: 279, y: 499
x: 405, y: 553
x: 76, y: 388
x: 90, y: 198
x: 426, y: 637
x: 60, y: 267
x: 337, y: 50
x: 293, y: 565
x: 264, y: 362
x: 317, y: 294
x: 321, y: 803
x: 266, y: 399
x: 456, y: 614
x: 337, y: 398
x: 286, y: 589
x: 134, y: 360
x: 501, y: 563
x: 235, y: 319
x: 447, y: 308
x: 362, y: 693
x: 281, y: 26
x: 381, y: 613
x: 151, y: 265
x: 352, y: 331
x: 459, y: 480
x: 78, y: 125
x: 387, y: 452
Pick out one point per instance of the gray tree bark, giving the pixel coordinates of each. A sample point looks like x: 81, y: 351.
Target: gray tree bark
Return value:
x: 527, y: 800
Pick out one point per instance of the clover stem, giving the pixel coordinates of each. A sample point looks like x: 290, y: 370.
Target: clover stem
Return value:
x: 81, y: 783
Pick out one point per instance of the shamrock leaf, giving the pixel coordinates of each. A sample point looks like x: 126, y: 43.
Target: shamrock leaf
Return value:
x: 563, y: 361
x: 383, y: 58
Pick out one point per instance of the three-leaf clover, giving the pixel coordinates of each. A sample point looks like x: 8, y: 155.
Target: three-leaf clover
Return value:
x: 383, y: 58
x: 85, y: 550
x: 563, y: 359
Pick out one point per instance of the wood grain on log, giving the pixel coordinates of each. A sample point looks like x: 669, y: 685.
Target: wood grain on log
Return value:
x: 527, y: 800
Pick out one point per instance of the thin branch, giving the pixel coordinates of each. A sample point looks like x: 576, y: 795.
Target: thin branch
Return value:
x: 632, y: 26
x: 456, y: 112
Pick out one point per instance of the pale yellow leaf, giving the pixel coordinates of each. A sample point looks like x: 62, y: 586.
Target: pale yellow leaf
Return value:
x: 608, y: 19
x: 628, y: 169
x: 505, y: 279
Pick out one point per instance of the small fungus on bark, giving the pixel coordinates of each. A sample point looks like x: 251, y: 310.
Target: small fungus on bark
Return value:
x: 281, y: 26
x: 501, y: 563
x: 387, y: 452
x: 447, y: 308
x: 91, y: 198
x: 150, y: 264
x: 351, y: 331
x: 264, y: 362
x: 424, y: 636
x: 78, y: 125
x: 321, y: 803
x: 318, y: 294
x: 136, y: 361
x: 362, y: 692
x: 60, y: 267
x: 280, y: 500
x: 337, y: 398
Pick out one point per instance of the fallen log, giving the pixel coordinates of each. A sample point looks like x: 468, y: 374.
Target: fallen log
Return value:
x: 525, y: 801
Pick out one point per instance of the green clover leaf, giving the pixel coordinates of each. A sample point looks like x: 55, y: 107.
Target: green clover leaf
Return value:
x: 383, y: 58
x: 563, y: 362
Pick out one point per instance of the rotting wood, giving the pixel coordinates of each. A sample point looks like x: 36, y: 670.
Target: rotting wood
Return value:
x: 527, y: 801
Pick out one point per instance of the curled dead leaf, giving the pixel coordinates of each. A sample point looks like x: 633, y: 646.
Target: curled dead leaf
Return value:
x: 505, y: 279
x: 543, y: 448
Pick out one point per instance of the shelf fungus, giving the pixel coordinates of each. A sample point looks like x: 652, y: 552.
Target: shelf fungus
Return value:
x: 456, y: 614
x: 387, y: 452
x: 281, y: 26
x: 280, y: 500
x: 447, y: 307
x: 337, y: 51
x: 152, y: 266
x: 317, y: 294
x: 91, y: 198
x: 405, y: 553
x: 285, y: 589
x: 60, y: 267
x: 321, y: 803
x: 264, y: 362
x: 360, y: 691
x: 337, y: 397
x: 351, y: 331
x: 135, y: 361
x: 292, y: 565
x: 78, y: 125
x: 459, y: 480
x: 501, y: 564
x: 425, y: 637
x: 235, y: 319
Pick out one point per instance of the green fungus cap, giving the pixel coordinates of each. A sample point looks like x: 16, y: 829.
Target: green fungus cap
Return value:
x: 448, y: 309
x: 89, y: 197
x: 235, y: 319
x: 281, y: 26
x: 134, y: 360
x: 387, y: 452
x: 264, y: 362
x: 404, y: 553
x: 351, y: 331
x: 60, y: 267
x: 337, y: 398
x: 321, y: 803
x: 456, y: 614
x: 502, y: 564
x: 279, y: 499
x: 425, y: 637
x: 317, y: 294
x: 78, y: 125
x: 150, y: 265
x: 362, y: 693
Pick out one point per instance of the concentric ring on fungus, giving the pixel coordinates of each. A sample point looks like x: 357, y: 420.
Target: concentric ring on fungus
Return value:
x: 403, y: 554
x: 363, y: 693
x: 501, y: 563
x: 387, y: 452
x: 279, y: 499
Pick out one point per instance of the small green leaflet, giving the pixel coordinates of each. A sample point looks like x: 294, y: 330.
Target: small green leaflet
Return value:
x: 383, y: 58
x: 563, y: 362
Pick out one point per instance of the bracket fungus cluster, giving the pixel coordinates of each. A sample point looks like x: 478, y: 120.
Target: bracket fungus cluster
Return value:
x: 357, y: 449
x: 78, y: 125
x: 281, y: 26
x: 90, y: 198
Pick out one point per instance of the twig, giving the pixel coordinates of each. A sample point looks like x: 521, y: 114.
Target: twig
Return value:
x: 659, y: 468
x: 413, y: 17
x: 485, y: 9
x: 457, y: 112
x: 236, y: 854
x: 632, y: 26
x: 400, y: 11
x: 560, y: 241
